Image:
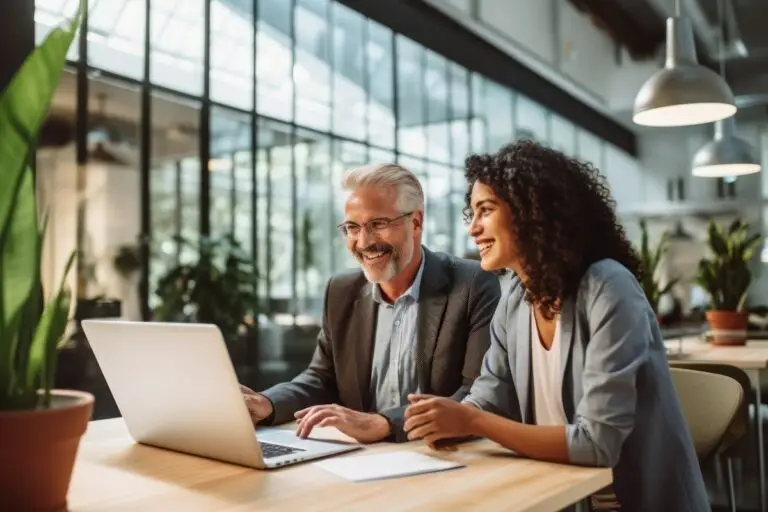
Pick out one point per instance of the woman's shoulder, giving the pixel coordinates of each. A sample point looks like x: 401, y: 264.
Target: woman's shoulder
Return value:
x: 608, y: 277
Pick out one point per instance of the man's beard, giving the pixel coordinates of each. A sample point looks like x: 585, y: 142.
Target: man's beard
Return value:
x: 398, y: 259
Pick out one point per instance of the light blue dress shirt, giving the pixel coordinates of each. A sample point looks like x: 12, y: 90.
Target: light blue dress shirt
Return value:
x: 393, y: 372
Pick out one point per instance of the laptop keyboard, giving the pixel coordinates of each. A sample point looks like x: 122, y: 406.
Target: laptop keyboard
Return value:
x: 270, y: 450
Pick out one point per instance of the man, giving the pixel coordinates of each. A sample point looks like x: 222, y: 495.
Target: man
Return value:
x: 410, y: 321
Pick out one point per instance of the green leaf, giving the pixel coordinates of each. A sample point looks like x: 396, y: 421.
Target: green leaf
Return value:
x: 717, y: 241
x: 25, y: 103
x: 55, y: 335
x: 19, y: 269
x: 8, y: 341
x: 48, y: 334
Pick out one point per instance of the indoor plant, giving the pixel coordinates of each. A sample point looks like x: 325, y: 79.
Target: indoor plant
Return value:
x: 40, y: 428
x: 218, y: 288
x: 649, y: 260
x: 726, y: 277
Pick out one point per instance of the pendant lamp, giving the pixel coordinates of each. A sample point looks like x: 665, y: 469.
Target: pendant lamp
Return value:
x: 683, y: 93
x: 725, y: 155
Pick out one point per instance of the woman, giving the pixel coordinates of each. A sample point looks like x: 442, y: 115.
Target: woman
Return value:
x: 576, y: 372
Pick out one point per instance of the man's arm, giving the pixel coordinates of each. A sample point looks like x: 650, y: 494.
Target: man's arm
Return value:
x: 482, y: 301
x: 315, y: 385
x: 494, y: 389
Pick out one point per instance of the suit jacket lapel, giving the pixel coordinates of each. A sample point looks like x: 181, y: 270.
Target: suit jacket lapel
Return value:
x: 567, y: 324
x: 432, y: 300
x: 364, y: 323
x: 523, y: 358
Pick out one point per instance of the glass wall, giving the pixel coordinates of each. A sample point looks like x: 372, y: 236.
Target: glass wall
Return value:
x: 295, y: 92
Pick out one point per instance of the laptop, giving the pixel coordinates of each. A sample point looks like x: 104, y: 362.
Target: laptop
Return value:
x: 176, y: 389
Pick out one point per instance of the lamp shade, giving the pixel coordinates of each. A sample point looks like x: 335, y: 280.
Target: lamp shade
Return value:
x: 683, y: 92
x: 725, y: 155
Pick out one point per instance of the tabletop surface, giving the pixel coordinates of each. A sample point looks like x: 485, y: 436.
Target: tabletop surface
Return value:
x: 114, y: 473
x: 752, y: 356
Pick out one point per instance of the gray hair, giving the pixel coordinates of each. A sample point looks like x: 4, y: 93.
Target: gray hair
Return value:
x: 410, y: 195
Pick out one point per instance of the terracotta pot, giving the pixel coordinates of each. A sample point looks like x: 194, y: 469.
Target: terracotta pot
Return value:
x: 38, y: 449
x: 728, y: 327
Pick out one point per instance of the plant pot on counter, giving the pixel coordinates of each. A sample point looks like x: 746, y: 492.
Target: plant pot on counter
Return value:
x: 728, y: 327
x: 38, y: 449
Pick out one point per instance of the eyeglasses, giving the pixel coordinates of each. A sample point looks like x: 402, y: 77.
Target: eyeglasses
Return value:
x: 352, y: 230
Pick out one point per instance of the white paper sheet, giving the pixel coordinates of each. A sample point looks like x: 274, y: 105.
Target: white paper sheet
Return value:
x: 385, y: 465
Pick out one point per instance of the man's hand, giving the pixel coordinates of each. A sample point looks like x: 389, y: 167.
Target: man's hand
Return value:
x: 434, y: 418
x: 258, y: 405
x: 361, y: 426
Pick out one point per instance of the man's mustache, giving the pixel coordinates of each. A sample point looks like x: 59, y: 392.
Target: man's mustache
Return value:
x: 378, y: 247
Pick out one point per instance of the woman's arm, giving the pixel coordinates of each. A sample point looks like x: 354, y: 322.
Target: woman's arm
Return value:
x: 618, y: 320
x: 536, y: 442
x: 493, y: 390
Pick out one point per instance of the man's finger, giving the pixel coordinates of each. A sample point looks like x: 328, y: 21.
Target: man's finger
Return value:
x: 418, y: 397
x: 247, y: 391
x: 303, y: 412
x: 330, y: 421
x: 310, y: 421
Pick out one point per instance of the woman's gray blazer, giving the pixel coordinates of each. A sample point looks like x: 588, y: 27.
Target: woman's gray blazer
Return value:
x: 618, y: 393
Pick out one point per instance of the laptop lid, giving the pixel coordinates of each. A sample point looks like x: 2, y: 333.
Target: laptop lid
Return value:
x: 175, y: 387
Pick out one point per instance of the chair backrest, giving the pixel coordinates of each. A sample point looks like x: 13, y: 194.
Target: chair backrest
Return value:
x: 736, y: 441
x: 709, y: 401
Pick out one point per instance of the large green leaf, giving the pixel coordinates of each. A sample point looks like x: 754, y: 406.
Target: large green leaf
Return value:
x: 25, y: 103
x: 19, y: 257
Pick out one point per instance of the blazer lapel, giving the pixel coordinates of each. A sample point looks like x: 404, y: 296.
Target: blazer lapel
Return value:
x: 432, y: 301
x: 363, y: 322
x: 567, y: 324
x: 523, y: 358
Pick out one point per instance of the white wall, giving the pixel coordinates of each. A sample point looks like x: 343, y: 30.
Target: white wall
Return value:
x: 527, y: 23
x: 557, y: 41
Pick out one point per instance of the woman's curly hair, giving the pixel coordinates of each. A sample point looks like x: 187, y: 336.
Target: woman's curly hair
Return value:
x: 563, y: 217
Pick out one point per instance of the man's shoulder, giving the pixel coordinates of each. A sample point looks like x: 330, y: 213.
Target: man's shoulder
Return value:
x: 463, y: 272
x: 347, y: 281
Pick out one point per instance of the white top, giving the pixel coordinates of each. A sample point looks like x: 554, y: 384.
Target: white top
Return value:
x: 547, y: 378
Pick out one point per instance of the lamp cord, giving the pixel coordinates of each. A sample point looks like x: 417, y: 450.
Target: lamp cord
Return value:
x: 720, y: 40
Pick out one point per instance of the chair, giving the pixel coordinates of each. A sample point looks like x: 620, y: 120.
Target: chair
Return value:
x: 718, y: 423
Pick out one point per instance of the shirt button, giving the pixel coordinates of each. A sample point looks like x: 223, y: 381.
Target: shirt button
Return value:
x: 397, y: 323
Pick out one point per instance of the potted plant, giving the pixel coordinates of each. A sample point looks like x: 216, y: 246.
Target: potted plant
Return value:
x: 40, y: 428
x: 726, y: 277
x: 649, y: 261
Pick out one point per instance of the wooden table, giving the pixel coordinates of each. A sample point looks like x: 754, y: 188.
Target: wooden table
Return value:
x: 752, y: 358
x: 113, y: 473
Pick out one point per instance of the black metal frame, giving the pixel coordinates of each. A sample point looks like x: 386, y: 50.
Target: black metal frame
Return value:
x: 144, y: 168
x: 205, y: 127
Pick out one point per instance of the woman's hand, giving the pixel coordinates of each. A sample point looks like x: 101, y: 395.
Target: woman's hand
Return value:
x: 433, y: 418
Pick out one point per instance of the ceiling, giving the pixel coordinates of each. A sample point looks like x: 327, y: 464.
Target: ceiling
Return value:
x: 639, y: 25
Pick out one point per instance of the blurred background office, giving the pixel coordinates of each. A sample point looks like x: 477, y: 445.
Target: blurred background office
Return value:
x: 194, y: 147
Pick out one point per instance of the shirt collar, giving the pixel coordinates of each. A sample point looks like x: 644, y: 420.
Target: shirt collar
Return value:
x: 414, y: 291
